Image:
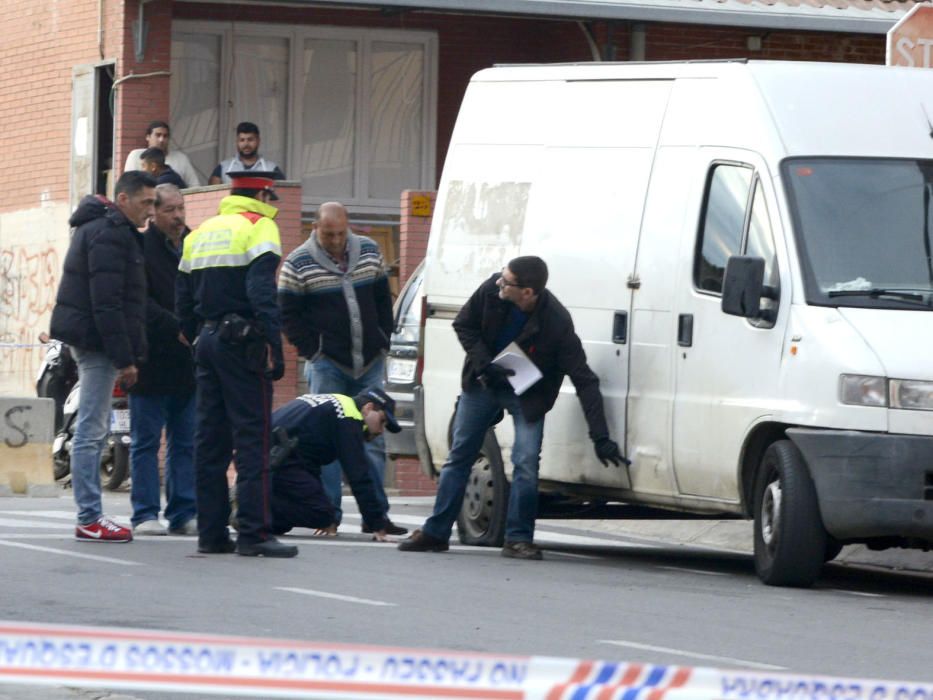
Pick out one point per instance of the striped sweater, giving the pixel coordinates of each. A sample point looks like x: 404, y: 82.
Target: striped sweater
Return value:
x: 343, y: 316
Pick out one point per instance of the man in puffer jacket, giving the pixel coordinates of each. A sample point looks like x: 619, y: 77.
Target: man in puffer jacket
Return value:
x: 100, y: 311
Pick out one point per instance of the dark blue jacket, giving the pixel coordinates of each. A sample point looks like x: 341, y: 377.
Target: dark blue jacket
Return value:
x: 170, y: 367
x: 326, y: 431
x: 101, y: 301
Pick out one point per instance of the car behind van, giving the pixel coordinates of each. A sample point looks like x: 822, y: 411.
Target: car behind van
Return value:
x: 745, y: 249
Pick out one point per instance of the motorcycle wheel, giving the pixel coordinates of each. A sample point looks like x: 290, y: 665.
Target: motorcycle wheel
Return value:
x: 114, y: 466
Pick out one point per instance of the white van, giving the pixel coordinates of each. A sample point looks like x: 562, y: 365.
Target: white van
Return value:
x: 745, y: 248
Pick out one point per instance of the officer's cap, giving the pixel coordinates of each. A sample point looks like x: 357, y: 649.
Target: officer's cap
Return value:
x: 384, y: 403
x: 253, y: 180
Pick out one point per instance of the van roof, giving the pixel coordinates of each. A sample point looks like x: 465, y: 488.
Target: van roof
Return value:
x: 817, y: 108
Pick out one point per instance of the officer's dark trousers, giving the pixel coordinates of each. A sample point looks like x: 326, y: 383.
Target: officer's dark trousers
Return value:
x: 233, y: 413
x: 298, y: 500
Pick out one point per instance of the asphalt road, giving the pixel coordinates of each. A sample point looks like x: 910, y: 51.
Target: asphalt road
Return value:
x: 594, y: 596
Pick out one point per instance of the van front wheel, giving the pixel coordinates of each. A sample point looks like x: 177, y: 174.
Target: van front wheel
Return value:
x: 482, y: 518
x: 790, y: 540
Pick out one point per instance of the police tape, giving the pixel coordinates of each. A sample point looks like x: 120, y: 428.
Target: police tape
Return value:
x: 59, y: 655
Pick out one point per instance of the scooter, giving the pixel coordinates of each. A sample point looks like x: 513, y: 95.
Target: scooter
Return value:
x: 115, y: 458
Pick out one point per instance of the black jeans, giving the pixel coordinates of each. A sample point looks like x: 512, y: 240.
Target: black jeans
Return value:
x: 234, y: 406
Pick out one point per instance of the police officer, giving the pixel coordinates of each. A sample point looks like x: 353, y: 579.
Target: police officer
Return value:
x: 226, y: 302
x: 319, y: 428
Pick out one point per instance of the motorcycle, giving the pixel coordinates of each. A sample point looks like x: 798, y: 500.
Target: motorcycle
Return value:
x: 58, y: 379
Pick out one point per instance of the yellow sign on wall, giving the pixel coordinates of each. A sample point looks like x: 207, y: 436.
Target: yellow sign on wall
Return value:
x: 420, y: 205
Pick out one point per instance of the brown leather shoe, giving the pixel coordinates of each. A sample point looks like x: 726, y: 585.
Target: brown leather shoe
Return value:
x: 521, y: 550
x: 421, y: 542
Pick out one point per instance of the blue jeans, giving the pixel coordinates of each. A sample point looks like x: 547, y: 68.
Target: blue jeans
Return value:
x: 97, y: 376
x: 148, y: 415
x: 324, y: 377
x: 476, y: 410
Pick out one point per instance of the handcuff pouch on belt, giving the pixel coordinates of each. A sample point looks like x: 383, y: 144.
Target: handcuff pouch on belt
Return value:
x: 236, y: 330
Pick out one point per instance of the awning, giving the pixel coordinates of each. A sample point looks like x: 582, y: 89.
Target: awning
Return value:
x: 858, y: 16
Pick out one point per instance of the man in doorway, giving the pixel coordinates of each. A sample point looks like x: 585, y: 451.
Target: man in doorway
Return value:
x: 157, y: 136
x: 247, y: 157
x: 512, y: 306
x: 100, y: 312
x: 163, y: 397
x: 337, y: 310
x: 153, y: 162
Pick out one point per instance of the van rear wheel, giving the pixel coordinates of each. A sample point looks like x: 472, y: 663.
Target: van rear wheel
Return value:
x: 790, y: 540
x: 482, y: 518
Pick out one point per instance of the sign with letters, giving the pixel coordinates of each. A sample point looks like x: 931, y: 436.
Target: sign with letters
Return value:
x: 910, y: 41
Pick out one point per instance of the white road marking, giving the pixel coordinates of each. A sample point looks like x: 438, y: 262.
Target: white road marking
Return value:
x: 552, y: 553
x: 692, y: 571
x: 36, y: 524
x: 66, y: 553
x: 861, y: 593
x: 337, y: 596
x: 54, y: 514
x: 692, y: 654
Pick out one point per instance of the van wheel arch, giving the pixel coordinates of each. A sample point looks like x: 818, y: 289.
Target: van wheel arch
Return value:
x: 756, y: 443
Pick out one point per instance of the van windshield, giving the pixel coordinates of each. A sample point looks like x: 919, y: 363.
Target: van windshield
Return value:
x: 864, y: 230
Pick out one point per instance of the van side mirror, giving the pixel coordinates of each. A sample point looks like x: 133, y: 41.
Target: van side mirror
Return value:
x: 743, y: 286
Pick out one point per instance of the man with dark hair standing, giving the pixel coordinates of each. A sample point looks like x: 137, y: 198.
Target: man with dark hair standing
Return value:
x: 247, y: 157
x: 153, y: 162
x: 225, y: 300
x: 164, y: 395
x: 512, y: 306
x: 100, y: 312
x: 157, y: 136
x: 337, y: 310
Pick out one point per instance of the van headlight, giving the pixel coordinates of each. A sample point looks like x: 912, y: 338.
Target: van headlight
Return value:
x: 863, y: 390
x: 911, y: 394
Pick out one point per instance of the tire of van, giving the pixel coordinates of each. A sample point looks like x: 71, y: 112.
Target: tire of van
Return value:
x: 790, y: 540
x: 481, y: 521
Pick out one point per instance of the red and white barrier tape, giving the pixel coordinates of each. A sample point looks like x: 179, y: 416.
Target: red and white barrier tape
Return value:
x: 213, y: 664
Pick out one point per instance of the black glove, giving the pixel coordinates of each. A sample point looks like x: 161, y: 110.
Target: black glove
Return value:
x: 278, y: 364
x: 496, y: 377
x: 607, y: 451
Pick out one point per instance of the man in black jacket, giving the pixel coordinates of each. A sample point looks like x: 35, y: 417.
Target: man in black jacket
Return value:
x: 164, y: 395
x: 513, y: 306
x: 100, y: 311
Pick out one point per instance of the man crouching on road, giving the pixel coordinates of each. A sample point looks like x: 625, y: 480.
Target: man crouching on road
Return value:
x: 512, y: 306
x: 314, y: 430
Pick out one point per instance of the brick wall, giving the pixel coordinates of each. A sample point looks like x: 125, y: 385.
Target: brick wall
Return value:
x: 42, y: 41
x: 140, y: 100
x: 410, y: 480
x: 413, y: 233
x: 201, y: 203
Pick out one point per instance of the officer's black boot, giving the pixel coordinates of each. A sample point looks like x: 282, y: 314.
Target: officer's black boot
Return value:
x: 268, y: 548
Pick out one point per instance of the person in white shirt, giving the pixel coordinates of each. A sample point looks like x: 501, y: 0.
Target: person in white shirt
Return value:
x: 157, y: 136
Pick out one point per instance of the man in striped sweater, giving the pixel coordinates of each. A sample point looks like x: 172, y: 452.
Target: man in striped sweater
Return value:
x: 337, y: 310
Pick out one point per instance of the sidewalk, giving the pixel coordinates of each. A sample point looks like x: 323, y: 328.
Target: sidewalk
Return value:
x: 736, y: 536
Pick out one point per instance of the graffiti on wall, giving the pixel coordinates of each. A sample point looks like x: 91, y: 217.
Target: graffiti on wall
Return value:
x: 28, y: 284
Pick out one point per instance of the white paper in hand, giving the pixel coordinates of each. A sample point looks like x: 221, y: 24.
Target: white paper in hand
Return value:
x: 526, y: 372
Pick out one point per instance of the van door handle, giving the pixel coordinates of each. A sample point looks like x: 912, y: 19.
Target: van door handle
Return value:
x: 685, y: 330
x: 620, y: 327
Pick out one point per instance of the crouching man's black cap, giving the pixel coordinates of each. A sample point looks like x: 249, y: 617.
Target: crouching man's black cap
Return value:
x: 386, y: 403
x: 253, y: 180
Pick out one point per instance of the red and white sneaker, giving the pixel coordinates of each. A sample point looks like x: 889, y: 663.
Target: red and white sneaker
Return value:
x: 103, y: 530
